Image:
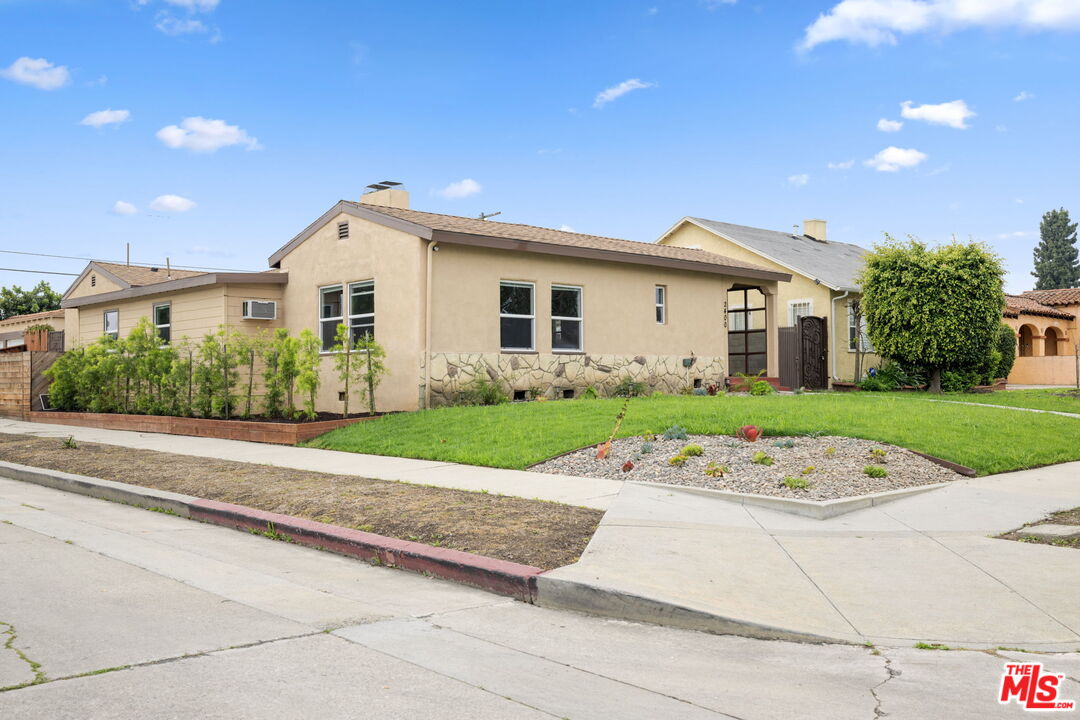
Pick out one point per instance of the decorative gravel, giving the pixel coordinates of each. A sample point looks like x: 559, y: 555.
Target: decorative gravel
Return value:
x: 832, y: 465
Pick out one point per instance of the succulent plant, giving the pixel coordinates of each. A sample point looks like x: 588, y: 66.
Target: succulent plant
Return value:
x: 749, y: 433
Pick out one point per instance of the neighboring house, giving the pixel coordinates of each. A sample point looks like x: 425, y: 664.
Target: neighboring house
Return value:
x: 450, y: 298
x: 109, y: 298
x: 823, y: 286
x: 1045, y: 322
x: 13, y: 329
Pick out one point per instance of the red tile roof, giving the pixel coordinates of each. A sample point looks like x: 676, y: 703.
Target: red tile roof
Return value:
x: 1064, y: 296
x: 1025, y: 305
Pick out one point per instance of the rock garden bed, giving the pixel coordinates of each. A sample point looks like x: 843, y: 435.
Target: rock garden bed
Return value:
x: 804, y: 468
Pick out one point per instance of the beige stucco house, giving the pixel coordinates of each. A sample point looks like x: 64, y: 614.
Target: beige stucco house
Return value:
x: 13, y: 329
x: 824, y: 282
x: 449, y: 298
x: 1047, y: 334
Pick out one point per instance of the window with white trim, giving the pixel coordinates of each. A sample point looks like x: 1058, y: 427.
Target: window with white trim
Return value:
x: 661, y: 304
x: 362, y: 309
x: 330, y: 314
x: 565, y: 318
x: 516, y: 316
x: 163, y: 321
x: 866, y: 345
x: 799, y: 309
x: 111, y: 322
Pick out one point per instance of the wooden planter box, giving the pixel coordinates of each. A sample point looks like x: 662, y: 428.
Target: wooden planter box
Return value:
x: 278, y: 433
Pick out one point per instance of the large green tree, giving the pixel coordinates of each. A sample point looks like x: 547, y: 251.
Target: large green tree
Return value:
x: 16, y: 301
x: 1056, y: 264
x: 936, y: 308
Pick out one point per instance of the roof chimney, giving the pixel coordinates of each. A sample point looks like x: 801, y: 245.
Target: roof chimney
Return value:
x: 386, y: 194
x: 814, y: 229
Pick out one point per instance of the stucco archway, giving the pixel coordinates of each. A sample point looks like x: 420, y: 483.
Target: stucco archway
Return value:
x: 1050, y: 344
x: 1027, y: 335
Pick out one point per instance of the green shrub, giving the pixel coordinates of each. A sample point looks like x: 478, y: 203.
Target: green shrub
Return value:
x: 590, y: 393
x: 628, y: 387
x: 761, y: 458
x: 675, y: 432
x: 677, y: 461
x: 762, y: 387
x: 714, y: 470
x: 875, y: 471
x: 484, y: 391
x: 693, y: 451
x: 646, y: 447
x: 796, y: 483
x: 808, y: 469
x: 786, y: 443
x: 1006, y: 345
x: 875, y: 384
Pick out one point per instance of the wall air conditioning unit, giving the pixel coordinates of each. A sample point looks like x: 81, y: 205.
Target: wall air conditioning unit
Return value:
x: 260, y: 310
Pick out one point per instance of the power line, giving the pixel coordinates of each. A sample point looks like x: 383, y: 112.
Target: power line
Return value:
x: 117, y: 262
x: 39, y: 272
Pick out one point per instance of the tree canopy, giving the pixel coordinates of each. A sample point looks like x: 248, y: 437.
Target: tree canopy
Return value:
x: 934, y: 308
x: 16, y: 301
x: 1056, y: 264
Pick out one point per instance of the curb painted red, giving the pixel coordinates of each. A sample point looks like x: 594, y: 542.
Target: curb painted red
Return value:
x: 498, y: 576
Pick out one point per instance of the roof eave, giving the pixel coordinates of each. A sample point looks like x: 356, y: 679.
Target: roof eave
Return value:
x: 266, y: 278
x: 587, y: 253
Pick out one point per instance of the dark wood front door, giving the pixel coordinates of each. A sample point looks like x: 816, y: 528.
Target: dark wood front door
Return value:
x: 813, y: 352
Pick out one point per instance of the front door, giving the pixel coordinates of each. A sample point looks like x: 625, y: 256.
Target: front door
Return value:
x: 813, y: 352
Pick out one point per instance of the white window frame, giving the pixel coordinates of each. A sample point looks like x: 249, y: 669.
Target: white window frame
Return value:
x: 867, y: 346
x: 115, y: 335
x: 808, y: 302
x: 580, y: 319
x: 734, y: 320
x: 660, y: 301
x: 362, y: 316
x: 531, y: 317
x: 338, y: 318
x: 168, y: 340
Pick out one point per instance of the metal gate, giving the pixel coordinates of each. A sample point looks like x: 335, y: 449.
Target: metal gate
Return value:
x: 804, y: 354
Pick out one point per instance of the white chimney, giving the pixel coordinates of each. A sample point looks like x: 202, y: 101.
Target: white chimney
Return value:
x: 391, y: 197
x: 815, y: 229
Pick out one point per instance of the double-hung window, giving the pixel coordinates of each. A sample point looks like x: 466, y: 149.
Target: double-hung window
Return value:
x: 565, y: 318
x: 661, y: 304
x: 516, y: 316
x: 853, y: 332
x: 330, y: 314
x: 112, y: 323
x: 362, y: 309
x: 163, y: 321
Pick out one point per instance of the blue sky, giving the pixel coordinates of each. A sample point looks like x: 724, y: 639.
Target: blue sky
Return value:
x: 246, y: 120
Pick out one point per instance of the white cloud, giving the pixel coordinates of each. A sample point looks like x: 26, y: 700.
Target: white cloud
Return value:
x: 172, y: 203
x: 195, y: 5
x: 202, y: 135
x: 1024, y: 95
x: 567, y: 228
x: 845, y: 165
x: 798, y: 180
x: 614, y: 93
x: 37, y: 72
x: 461, y: 189
x: 1012, y: 235
x: 880, y: 22
x: 102, y: 81
x: 123, y: 208
x: 892, y: 159
x: 101, y: 118
x: 175, y: 26
x: 713, y: 4
x: 954, y: 114
x: 886, y: 125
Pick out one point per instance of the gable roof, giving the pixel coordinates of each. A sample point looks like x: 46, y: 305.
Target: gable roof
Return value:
x: 835, y: 265
x: 529, y: 238
x: 192, y: 280
x: 129, y: 276
x: 1016, y: 305
x: 1064, y: 296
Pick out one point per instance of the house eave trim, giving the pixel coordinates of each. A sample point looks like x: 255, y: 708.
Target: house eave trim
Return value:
x: 268, y: 278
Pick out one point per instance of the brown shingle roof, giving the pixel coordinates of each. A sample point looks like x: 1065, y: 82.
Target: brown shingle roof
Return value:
x: 1025, y: 305
x: 1065, y: 296
x: 137, y: 275
x: 32, y: 316
x: 549, y: 236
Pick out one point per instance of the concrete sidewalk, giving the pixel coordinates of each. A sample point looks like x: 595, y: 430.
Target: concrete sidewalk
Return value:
x: 588, y: 492
x: 918, y: 569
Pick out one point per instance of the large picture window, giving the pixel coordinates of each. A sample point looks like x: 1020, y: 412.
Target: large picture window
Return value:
x: 747, y: 340
x: 112, y: 323
x: 330, y: 314
x: 163, y: 321
x: 516, y: 316
x: 362, y: 309
x: 565, y: 318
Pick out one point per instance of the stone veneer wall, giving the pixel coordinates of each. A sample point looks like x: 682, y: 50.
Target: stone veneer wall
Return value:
x: 451, y: 373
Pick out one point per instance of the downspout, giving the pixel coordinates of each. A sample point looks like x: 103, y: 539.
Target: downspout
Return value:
x: 835, y: 331
x: 427, y: 325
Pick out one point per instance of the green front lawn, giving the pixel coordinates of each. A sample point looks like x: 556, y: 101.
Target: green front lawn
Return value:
x: 1059, y: 399
x: 518, y: 435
